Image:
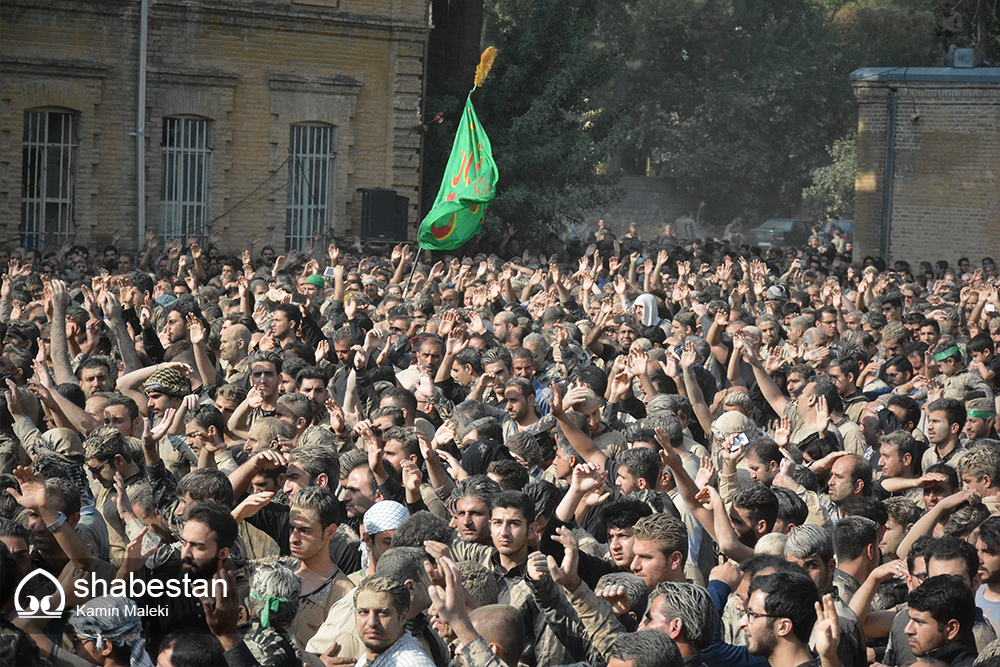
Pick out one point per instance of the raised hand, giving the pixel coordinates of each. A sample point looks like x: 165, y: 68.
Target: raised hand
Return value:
x: 565, y: 573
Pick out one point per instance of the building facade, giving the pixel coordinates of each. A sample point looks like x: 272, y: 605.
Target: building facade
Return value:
x: 261, y: 117
x: 932, y: 135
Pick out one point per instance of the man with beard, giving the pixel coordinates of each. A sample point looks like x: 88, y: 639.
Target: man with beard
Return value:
x: 106, y: 452
x: 777, y: 618
x: 850, y: 477
x: 315, y: 513
x: 234, y: 348
x: 262, y: 399
x: 472, y: 500
x: 988, y: 546
x: 942, y: 614
x: 311, y: 383
x: 520, y: 397
x: 206, y: 540
x: 122, y: 413
x: 812, y: 548
x: 381, y: 607
x: 163, y: 388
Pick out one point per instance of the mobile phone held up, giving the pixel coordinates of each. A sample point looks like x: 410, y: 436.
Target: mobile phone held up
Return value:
x: 740, y: 441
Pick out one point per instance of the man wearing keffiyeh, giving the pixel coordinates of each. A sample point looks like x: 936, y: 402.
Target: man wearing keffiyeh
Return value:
x: 377, y: 528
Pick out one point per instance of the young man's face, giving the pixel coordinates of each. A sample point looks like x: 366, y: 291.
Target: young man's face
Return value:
x: 308, y: 537
x: 890, y: 460
x: 650, y: 563
x: 938, y: 428
x: 264, y: 378
x: 200, y: 552
x: 935, y: 494
x: 820, y: 572
x: 517, y: 405
x: 924, y: 633
x: 891, y: 539
x: 760, y: 472
x: 510, y: 530
x: 620, y: 542
x: 379, y: 623
x: 315, y: 390
x: 989, y: 563
x: 977, y: 427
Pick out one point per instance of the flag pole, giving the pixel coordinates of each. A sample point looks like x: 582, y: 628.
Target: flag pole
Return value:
x: 416, y: 259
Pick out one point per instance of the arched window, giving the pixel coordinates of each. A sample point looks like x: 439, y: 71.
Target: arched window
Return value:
x: 48, y: 171
x: 310, y: 180
x: 184, y: 198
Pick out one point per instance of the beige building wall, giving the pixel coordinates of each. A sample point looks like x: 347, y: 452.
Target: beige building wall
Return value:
x: 252, y: 68
x: 945, y: 187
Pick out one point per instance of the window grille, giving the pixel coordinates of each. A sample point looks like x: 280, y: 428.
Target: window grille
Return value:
x: 184, y: 199
x: 48, y: 167
x: 310, y: 178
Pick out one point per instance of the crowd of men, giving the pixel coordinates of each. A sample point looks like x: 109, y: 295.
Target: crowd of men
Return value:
x: 641, y: 453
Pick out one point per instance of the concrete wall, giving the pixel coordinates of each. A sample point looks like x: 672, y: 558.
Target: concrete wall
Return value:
x: 945, y: 194
x: 252, y: 67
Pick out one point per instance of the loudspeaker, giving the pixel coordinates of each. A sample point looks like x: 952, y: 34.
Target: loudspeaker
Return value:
x: 384, y: 215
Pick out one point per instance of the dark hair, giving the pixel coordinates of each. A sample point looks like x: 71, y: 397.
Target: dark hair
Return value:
x: 206, y: 416
x: 420, y: 527
x: 595, y: 378
x: 953, y: 481
x: 910, y: 407
x: 870, y: 508
x: 513, y: 476
x: 847, y: 366
x: 206, y: 485
x: 946, y: 597
x: 480, y: 487
x: 952, y: 548
x: 624, y: 513
x: 303, y: 354
x: 989, y: 533
x: 193, y: 649
x: 219, y: 520
x: 792, y: 510
x: 74, y: 393
x: 401, y: 398
x: 646, y: 648
x: 546, y: 497
x: 789, y: 595
x: 981, y: 343
x: 472, y: 357
x: 851, y: 535
x: 765, y: 451
x: 515, y: 500
x: 130, y: 405
x: 321, y: 500
x: 953, y: 408
x: 310, y: 373
x: 761, y: 503
x: 643, y: 463
x: 397, y: 415
x: 905, y: 443
x: 268, y: 356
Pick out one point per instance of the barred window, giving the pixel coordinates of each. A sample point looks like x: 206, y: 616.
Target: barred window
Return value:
x: 310, y: 179
x: 48, y: 169
x: 184, y: 198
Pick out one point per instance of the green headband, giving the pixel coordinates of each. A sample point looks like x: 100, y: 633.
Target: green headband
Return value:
x: 981, y: 414
x: 946, y: 354
x: 270, y: 605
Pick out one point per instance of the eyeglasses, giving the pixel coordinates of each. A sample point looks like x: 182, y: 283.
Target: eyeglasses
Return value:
x: 751, y: 615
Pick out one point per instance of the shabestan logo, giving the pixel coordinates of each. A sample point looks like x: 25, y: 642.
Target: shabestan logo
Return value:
x: 44, y: 608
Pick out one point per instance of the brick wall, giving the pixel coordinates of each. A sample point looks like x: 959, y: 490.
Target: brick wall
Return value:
x: 945, y: 194
x: 253, y: 68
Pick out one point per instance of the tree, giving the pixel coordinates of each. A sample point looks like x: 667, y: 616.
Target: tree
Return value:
x: 545, y: 108
x: 831, y: 194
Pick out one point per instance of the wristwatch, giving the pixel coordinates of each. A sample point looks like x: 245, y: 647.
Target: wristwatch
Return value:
x: 57, y: 524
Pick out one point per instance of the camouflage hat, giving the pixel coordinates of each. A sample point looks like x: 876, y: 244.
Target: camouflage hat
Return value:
x: 168, y: 381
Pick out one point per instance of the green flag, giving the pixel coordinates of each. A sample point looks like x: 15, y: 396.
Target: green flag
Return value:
x: 469, y: 183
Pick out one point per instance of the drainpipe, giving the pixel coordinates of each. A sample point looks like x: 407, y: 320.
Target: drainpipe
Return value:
x: 890, y: 160
x: 140, y: 130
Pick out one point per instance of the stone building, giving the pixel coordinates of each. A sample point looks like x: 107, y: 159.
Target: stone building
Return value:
x: 933, y: 134
x: 266, y: 117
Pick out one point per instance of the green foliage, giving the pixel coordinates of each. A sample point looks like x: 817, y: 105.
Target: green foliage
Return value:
x: 542, y: 107
x: 831, y: 194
